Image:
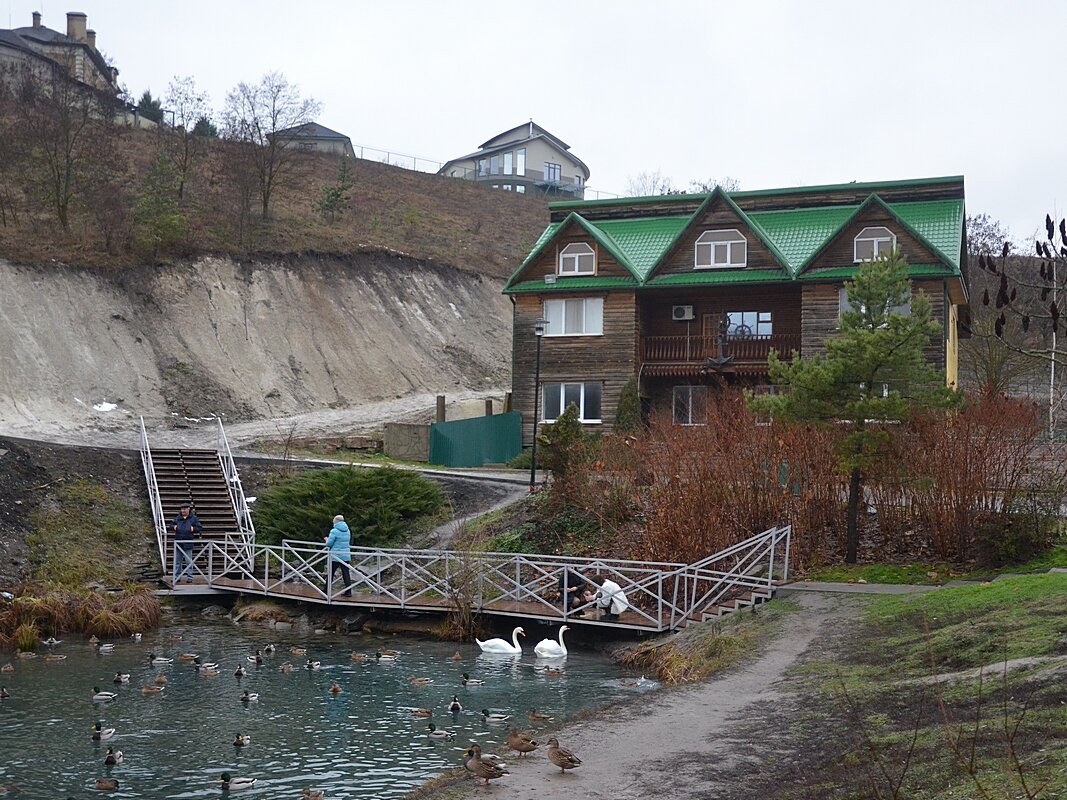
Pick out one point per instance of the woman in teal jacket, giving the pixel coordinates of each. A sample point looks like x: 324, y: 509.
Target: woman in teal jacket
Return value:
x: 338, y: 542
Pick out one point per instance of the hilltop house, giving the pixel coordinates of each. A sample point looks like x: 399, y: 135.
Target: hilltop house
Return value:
x: 684, y: 292
x: 526, y: 158
x: 37, y: 47
x: 317, y: 138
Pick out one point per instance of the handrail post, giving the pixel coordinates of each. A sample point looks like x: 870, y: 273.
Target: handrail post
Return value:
x: 788, y: 538
x: 329, y: 579
x: 659, y: 595
x: 211, y: 563
x: 770, y: 567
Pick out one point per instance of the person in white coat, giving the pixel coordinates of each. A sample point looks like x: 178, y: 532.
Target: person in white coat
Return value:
x: 609, y: 597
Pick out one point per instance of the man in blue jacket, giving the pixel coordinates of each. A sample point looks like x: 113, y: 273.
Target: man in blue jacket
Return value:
x: 338, y: 542
x: 185, y: 527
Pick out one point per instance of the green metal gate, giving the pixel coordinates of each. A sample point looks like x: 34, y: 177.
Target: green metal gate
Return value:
x: 476, y: 441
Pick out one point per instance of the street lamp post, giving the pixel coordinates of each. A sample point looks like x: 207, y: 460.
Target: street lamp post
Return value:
x: 539, y: 332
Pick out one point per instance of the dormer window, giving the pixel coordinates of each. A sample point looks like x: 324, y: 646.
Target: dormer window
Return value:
x: 721, y: 249
x: 577, y: 258
x: 872, y: 243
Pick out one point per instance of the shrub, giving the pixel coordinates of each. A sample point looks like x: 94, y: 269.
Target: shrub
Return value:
x: 140, y: 606
x: 628, y: 412
x: 26, y: 637
x: 380, y: 505
x: 522, y: 461
x: 109, y: 624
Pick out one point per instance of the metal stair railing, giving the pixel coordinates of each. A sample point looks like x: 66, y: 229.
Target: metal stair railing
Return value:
x: 154, y: 500
x: 241, y: 508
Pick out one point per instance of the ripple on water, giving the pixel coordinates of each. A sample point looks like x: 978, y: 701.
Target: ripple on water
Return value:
x: 361, y: 743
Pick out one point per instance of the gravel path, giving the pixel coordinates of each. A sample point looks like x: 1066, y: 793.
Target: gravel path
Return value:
x: 681, y: 743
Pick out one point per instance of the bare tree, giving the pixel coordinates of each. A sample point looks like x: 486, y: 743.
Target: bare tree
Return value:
x: 727, y: 184
x: 265, y: 119
x: 647, y: 184
x: 183, y: 146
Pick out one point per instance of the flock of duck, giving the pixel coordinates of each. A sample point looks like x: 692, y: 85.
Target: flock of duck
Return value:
x: 485, y: 766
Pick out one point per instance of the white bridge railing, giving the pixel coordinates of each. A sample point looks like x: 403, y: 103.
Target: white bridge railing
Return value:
x: 661, y: 595
x: 158, y: 522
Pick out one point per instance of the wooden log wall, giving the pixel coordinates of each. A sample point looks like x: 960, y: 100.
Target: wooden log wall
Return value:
x: 548, y: 261
x: 609, y: 359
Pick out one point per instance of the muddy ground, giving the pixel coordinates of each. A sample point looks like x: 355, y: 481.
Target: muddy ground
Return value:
x: 32, y: 473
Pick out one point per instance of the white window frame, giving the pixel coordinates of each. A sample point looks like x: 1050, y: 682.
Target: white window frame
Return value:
x: 887, y: 240
x: 519, y: 188
x: 570, y: 259
x: 689, y: 391
x: 735, y: 248
x: 554, y: 312
x: 761, y: 327
x: 520, y: 162
x: 562, y: 398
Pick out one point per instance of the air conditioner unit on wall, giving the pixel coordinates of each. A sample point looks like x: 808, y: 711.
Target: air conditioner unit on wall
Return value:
x: 682, y: 313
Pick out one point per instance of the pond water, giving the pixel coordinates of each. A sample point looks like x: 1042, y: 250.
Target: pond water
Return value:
x: 361, y: 743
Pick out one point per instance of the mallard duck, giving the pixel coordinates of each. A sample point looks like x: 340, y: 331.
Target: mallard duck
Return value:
x: 188, y: 657
x: 135, y: 636
x: 230, y: 784
x: 100, y: 696
x: 93, y: 639
x: 469, y: 681
x: 312, y: 665
x: 105, y: 649
x: 335, y: 688
x: 493, y: 716
x: 208, y: 665
x: 107, y: 784
x: 240, y: 672
x: 313, y: 794
x: 209, y: 672
x: 8, y: 667
x: 286, y: 667
x: 250, y: 697
x: 51, y: 641
x: 4, y: 693
x: 122, y: 677
x: 629, y: 683
x: 149, y: 689
x: 360, y: 657
x: 113, y: 757
x: 437, y: 733
x: 102, y: 734
x: 384, y: 658
x: 241, y: 739
x: 298, y: 651
x: 270, y: 649
x: 257, y: 659
x: 561, y: 756
x: 456, y: 656
x: 421, y: 712
x: 520, y: 742
x: 419, y: 681
x: 25, y: 654
x: 161, y: 680
x: 159, y: 661
x: 385, y: 651
x: 483, y: 768
x: 174, y: 638
x: 553, y: 672
x: 455, y: 706
x: 548, y: 648
x: 52, y: 658
x: 501, y: 646
x: 537, y: 716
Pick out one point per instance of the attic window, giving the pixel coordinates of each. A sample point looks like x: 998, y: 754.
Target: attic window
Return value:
x: 577, y: 258
x: 872, y: 243
x: 727, y: 248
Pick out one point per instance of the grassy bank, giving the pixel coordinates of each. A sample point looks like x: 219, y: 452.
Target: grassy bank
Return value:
x: 930, y: 701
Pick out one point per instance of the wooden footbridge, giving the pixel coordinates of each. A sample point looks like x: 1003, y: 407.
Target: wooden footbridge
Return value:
x: 662, y: 596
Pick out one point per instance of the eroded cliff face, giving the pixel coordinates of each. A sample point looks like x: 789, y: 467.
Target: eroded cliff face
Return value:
x: 249, y: 340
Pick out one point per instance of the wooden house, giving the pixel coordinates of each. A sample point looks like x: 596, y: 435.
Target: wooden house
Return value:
x: 688, y: 292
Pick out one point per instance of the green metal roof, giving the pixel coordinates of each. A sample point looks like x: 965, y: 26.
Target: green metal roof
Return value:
x: 801, y: 232
x: 571, y: 284
x: 718, y: 276
x: 643, y: 240
x: 847, y: 273
x: 939, y: 222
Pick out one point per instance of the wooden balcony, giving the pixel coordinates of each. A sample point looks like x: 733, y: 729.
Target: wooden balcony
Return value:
x: 689, y: 355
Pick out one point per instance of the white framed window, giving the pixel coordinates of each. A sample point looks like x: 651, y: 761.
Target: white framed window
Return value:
x: 557, y: 396
x: 482, y: 172
x: 520, y: 188
x: 577, y: 258
x: 507, y: 162
x: 690, y: 405
x: 727, y: 248
x: 552, y: 172
x: 574, y: 316
x: 844, y: 304
x: 494, y: 165
x: 520, y: 161
x: 872, y: 243
x: 749, y: 324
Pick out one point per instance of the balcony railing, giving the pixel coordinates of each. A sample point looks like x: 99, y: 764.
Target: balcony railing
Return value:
x: 698, y: 349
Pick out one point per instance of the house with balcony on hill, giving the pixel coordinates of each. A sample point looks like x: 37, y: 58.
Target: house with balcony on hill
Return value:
x: 523, y: 159
x: 687, y: 293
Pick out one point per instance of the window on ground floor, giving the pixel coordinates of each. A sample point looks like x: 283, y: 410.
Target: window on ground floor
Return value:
x: 557, y: 396
x: 690, y: 405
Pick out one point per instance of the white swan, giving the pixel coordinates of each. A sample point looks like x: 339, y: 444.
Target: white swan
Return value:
x: 547, y: 648
x: 500, y: 646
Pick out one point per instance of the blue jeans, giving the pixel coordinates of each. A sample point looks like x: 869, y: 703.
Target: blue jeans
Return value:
x: 183, y: 551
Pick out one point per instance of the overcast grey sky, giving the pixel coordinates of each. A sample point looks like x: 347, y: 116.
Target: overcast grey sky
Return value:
x: 772, y: 93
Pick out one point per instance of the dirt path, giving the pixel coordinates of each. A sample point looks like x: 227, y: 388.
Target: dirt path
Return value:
x: 687, y: 743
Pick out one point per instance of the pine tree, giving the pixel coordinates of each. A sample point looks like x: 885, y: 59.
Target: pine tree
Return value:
x: 874, y: 374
